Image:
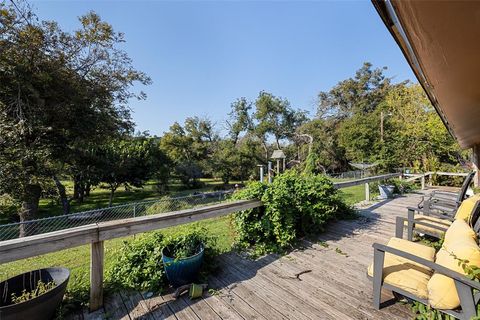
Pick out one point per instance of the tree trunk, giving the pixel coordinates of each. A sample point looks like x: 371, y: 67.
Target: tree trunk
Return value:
x: 88, y: 187
x: 75, y: 187
x: 112, y: 191
x: 62, y: 194
x: 81, y: 192
x: 29, y: 209
x: 266, y: 150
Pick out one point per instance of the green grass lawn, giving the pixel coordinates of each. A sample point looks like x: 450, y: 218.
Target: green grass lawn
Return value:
x: 354, y: 194
x: 99, y: 196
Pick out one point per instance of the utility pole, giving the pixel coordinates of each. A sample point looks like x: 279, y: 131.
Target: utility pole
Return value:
x: 381, y: 126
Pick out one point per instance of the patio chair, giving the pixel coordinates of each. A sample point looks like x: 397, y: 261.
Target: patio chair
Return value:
x: 433, y: 223
x: 444, y: 201
x: 416, y: 272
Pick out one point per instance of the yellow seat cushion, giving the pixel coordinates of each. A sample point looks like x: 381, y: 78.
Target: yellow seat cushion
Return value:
x: 406, y: 274
x: 442, y: 293
x: 465, y: 211
x: 445, y: 224
x: 459, y: 231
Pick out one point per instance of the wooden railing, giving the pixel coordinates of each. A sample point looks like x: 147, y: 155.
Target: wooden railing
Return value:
x: 96, y: 234
x: 424, y: 176
x: 366, y: 181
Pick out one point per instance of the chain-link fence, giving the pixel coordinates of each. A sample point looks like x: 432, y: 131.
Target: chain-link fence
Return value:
x: 130, y: 210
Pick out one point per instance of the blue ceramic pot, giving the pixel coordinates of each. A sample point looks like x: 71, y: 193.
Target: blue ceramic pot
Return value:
x: 182, y: 271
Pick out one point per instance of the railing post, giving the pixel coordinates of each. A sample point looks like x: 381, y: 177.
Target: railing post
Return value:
x: 269, y: 172
x: 96, y: 275
x: 261, y: 173
x: 367, y: 191
x: 134, y: 210
x: 423, y: 182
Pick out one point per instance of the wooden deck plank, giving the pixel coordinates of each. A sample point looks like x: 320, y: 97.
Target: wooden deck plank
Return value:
x: 226, y: 294
x: 336, y: 288
x: 279, y: 287
x: 225, y: 312
x: 115, y: 308
x: 329, y: 288
x: 158, y: 307
x: 261, y: 301
x: 201, y: 308
x: 181, y: 309
x: 136, y: 306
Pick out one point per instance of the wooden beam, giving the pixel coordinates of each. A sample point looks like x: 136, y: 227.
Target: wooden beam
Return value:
x: 345, y: 184
x: 16, y: 249
x: 96, y: 275
x: 126, y: 227
x: 26, y: 247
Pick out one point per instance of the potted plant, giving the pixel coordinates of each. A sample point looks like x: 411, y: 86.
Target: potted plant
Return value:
x: 33, y: 295
x: 386, y: 191
x: 182, y: 259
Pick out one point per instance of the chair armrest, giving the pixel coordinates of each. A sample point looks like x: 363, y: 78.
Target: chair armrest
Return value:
x: 427, y: 212
x: 401, y: 221
x: 432, y: 265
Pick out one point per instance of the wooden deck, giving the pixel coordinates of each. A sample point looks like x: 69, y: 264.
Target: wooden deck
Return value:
x: 335, y: 286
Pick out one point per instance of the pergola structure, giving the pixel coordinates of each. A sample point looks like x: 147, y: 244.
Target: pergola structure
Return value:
x: 440, y: 40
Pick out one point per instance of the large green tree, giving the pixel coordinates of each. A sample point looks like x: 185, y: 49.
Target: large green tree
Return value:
x: 58, y: 92
x: 130, y: 162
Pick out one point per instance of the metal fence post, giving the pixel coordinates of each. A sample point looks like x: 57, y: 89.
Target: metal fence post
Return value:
x: 269, y: 172
x: 423, y: 182
x: 134, y: 210
x: 261, y: 173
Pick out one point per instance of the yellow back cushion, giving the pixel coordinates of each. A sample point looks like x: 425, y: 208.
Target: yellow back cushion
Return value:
x: 459, y: 231
x: 465, y: 211
x: 442, y: 293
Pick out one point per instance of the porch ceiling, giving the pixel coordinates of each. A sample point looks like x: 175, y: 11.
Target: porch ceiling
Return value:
x: 441, y: 41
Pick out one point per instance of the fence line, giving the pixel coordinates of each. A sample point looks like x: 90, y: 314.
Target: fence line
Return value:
x: 130, y: 210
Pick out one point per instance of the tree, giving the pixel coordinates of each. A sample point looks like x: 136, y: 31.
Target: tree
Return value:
x: 327, y: 152
x: 58, y: 91
x: 240, y: 119
x: 130, y: 162
x: 190, y: 147
x: 360, y: 94
x: 276, y: 117
x: 415, y: 134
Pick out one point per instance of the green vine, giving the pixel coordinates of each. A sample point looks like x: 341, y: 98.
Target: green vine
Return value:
x: 295, y: 205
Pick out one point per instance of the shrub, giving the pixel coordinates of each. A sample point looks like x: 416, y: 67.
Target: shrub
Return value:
x: 138, y: 264
x: 167, y: 204
x: 295, y: 204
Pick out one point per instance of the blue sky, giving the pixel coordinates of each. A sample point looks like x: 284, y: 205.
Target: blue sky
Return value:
x: 201, y: 56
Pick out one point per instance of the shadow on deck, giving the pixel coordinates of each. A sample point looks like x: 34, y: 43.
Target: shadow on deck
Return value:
x: 324, y: 278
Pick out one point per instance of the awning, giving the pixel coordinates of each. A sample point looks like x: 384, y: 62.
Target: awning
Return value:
x: 441, y: 41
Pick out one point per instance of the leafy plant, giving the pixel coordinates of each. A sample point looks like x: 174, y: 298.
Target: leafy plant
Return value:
x: 40, y: 289
x: 138, y: 264
x: 185, y: 245
x: 295, y: 205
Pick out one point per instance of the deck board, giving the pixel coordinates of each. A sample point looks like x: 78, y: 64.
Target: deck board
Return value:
x: 335, y: 288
